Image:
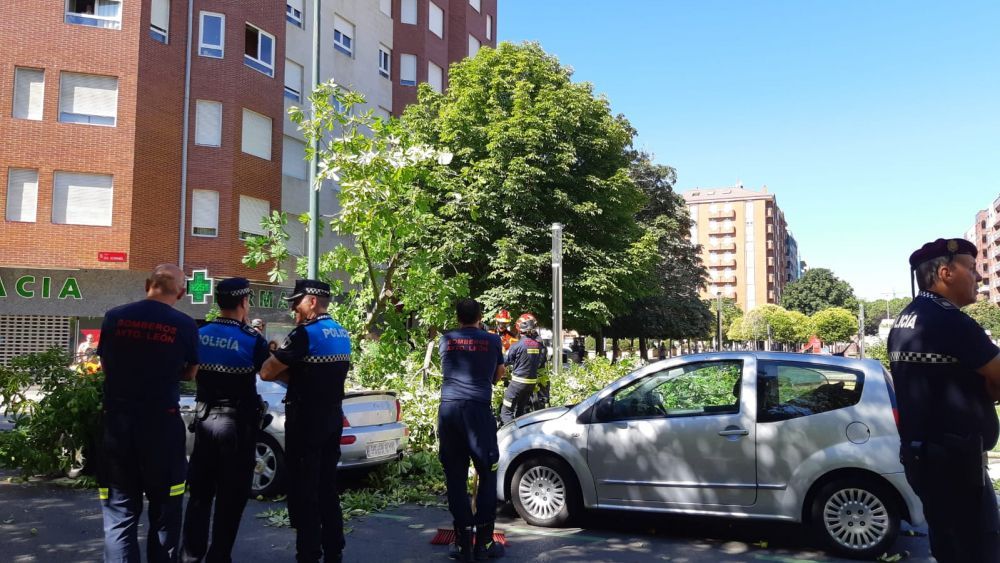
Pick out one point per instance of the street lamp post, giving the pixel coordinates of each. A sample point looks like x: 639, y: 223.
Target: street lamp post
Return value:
x: 718, y: 321
x: 557, y: 304
x: 312, y: 245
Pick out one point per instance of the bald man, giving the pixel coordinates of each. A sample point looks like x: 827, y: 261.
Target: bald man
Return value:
x: 146, y: 348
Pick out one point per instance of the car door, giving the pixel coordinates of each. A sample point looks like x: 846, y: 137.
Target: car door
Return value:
x: 680, y: 436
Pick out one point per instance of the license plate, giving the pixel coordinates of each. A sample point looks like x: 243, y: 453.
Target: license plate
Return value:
x: 380, y: 449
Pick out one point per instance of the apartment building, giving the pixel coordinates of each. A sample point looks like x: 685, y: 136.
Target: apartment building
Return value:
x: 985, y: 234
x: 103, y: 177
x: 744, y: 244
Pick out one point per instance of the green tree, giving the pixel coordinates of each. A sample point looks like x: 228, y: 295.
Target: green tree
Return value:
x: 730, y: 312
x: 533, y: 148
x: 987, y: 314
x: 877, y: 310
x: 835, y: 324
x: 818, y: 289
x: 736, y: 331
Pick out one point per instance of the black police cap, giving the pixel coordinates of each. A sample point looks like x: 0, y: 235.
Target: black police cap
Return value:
x: 942, y: 248
x: 309, y: 287
x: 232, y: 287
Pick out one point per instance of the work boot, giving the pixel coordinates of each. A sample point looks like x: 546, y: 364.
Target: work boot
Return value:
x: 486, y: 548
x: 462, y: 548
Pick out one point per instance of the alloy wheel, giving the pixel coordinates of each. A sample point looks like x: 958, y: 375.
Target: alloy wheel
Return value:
x: 542, y: 492
x: 855, y: 518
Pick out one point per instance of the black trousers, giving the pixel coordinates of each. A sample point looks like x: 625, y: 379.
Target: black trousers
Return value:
x: 467, y: 430
x: 312, y: 448
x: 515, y: 400
x: 221, y: 469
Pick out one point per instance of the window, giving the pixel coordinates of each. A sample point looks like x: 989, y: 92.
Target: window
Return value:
x: 22, y: 194
x: 385, y: 6
x: 259, y: 50
x: 697, y: 389
x: 791, y: 390
x: 476, y: 5
x: 204, y: 213
x: 435, y: 20
x: 159, y: 20
x: 212, y: 35
x: 88, y: 98
x: 29, y: 93
x: 408, y: 11
x: 343, y: 36
x: 384, y: 60
x: 82, y: 199
x: 293, y: 158
x: 408, y: 70
x: 435, y: 77
x: 95, y: 13
x: 208, y: 123
x: 293, y: 80
x: 293, y: 13
x: 473, y: 46
x: 489, y: 27
x: 256, y: 134
x: 252, y: 210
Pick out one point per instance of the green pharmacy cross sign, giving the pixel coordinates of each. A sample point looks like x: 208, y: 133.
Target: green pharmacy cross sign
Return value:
x: 199, y: 287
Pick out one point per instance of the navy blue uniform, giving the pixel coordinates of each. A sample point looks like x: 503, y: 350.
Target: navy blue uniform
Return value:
x: 221, y: 466
x: 946, y: 423
x: 318, y: 355
x: 144, y: 348
x: 524, y: 358
x: 466, y: 427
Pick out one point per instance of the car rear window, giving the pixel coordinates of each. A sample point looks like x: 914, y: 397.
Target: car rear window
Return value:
x: 789, y: 390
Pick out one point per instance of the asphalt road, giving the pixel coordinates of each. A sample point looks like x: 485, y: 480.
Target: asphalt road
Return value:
x: 43, y: 522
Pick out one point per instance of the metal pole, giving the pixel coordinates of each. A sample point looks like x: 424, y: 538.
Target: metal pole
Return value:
x: 185, y: 132
x: 313, y: 234
x: 718, y: 321
x: 861, y: 331
x: 557, y: 304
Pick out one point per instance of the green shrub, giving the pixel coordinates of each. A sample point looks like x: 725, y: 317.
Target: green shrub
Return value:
x: 580, y: 381
x: 879, y: 352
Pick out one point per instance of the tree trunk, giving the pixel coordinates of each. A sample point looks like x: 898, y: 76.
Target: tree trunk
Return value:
x: 643, y: 349
x: 599, y: 349
x: 615, y: 351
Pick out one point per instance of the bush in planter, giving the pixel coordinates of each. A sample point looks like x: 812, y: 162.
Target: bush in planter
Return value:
x: 52, y: 433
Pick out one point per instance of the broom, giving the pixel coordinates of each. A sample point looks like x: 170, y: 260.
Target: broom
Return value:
x: 447, y: 536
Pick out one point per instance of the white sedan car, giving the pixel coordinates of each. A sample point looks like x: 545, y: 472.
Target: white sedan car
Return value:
x: 791, y: 437
x: 374, y: 433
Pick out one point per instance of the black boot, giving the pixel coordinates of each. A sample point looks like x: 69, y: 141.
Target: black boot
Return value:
x: 486, y: 548
x: 462, y: 548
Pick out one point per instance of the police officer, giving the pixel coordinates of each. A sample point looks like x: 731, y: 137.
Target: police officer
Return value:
x: 146, y: 347
x: 225, y: 426
x: 525, y: 358
x: 471, y: 363
x: 947, y: 377
x: 314, y: 360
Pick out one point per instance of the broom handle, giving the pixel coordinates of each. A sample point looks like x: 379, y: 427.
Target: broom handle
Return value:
x: 475, y: 488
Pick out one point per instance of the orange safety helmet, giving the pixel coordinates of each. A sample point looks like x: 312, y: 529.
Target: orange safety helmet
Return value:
x: 527, y: 322
x: 503, y: 316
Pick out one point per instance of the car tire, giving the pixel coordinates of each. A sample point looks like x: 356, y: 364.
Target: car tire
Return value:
x: 269, y: 467
x: 856, y: 518
x: 545, y: 492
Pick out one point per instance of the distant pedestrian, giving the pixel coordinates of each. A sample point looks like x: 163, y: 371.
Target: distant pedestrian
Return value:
x: 314, y: 360
x: 471, y: 363
x: 260, y: 326
x: 947, y: 377
x: 146, y: 347
x: 225, y: 427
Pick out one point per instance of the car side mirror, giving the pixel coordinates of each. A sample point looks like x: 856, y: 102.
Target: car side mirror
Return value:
x: 604, y: 410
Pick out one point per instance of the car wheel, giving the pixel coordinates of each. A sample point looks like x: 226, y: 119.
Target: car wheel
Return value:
x: 545, y: 492
x: 856, y: 518
x: 269, y: 467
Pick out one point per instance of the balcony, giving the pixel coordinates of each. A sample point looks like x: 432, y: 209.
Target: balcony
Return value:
x: 723, y: 247
x: 723, y: 214
x: 723, y: 263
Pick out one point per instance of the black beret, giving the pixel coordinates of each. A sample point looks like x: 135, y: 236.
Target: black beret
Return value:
x: 309, y: 287
x: 942, y: 248
x: 233, y: 287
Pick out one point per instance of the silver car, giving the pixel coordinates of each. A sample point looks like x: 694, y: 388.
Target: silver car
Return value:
x: 374, y: 433
x: 778, y: 436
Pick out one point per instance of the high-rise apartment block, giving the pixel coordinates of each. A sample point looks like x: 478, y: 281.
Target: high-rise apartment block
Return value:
x: 131, y: 139
x: 745, y: 244
x: 985, y: 234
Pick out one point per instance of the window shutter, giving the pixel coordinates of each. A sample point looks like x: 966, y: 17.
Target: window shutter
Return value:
x: 208, y: 123
x: 205, y: 210
x: 408, y: 11
x: 435, y: 77
x: 29, y: 93
x: 293, y: 76
x: 408, y: 68
x: 293, y: 158
x: 252, y: 210
x: 82, y: 199
x: 88, y: 94
x: 436, y: 20
x: 159, y: 15
x: 22, y: 195
x: 473, y: 46
x: 256, y: 134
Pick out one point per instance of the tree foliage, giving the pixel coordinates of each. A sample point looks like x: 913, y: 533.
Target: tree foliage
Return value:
x: 791, y: 327
x: 533, y: 148
x: 818, y: 289
x: 987, y: 314
x: 730, y: 312
x: 877, y: 310
x: 835, y: 324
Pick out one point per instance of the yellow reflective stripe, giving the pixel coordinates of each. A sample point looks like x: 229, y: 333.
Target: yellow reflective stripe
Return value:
x: 518, y: 379
x: 533, y: 350
x: 177, y: 490
x: 507, y: 403
x: 102, y: 493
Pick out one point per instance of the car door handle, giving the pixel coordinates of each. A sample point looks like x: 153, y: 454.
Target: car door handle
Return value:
x: 734, y: 432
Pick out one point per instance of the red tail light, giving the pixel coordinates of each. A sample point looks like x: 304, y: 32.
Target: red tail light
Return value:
x: 399, y: 411
x: 346, y: 424
x: 348, y: 440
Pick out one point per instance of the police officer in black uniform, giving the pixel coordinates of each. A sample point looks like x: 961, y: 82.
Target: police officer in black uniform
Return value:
x: 225, y: 426
x: 524, y: 358
x: 947, y: 377
x: 314, y: 360
x: 146, y: 347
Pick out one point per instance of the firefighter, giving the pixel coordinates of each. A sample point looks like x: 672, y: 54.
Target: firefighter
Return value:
x: 508, y: 335
x: 525, y: 358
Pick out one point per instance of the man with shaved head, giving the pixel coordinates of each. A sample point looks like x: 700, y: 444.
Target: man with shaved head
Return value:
x: 146, y: 348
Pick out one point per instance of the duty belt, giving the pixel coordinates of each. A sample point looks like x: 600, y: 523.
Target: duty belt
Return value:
x: 526, y: 380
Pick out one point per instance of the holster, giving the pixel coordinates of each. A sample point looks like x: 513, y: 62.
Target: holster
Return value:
x: 264, y: 418
x: 947, y: 456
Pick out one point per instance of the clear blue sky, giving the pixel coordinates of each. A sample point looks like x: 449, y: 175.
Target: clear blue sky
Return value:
x: 876, y: 123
